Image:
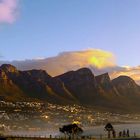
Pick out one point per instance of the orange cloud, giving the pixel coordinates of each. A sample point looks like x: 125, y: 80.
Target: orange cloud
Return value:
x: 133, y: 72
x: 99, y: 61
x: 66, y: 61
x: 8, y: 11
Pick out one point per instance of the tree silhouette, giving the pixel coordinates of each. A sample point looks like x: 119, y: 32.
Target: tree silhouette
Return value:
x: 109, y: 128
x: 71, y: 130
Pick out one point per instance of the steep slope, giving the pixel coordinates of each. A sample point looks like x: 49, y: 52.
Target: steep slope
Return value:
x: 106, y: 84
x: 8, y: 90
x: 90, y: 90
x: 33, y: 84
x: 108, y: 92
x: 82, y: 84
x: 74, y: 87
x: 129, y: 92
x: 126, y: 86
x: 99, y: 91
x: 54, y: 83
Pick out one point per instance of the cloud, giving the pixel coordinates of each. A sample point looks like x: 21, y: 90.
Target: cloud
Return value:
x: 99, y: 61
x: 8, y: 11
x: 67, y: 61
x: 133, y: 72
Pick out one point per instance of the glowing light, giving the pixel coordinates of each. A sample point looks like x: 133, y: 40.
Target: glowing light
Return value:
x: 102, y: 59
x: 76, y: 122
x: 46, y: 117
x: 126, y: 67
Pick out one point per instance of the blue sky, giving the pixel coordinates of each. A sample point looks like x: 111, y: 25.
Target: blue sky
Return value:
x: 45, y: 28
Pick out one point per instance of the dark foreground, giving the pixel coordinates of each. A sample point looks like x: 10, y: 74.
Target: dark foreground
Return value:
x: 42, y: 138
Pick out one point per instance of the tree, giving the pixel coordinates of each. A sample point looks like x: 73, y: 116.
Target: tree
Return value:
x: 109, y: 128
x: 71, y: 130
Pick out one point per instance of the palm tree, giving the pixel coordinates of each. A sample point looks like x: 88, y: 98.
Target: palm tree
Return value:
x: 109, y: 128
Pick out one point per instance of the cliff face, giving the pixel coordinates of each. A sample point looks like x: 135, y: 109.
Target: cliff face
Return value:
x: 126, y: 86
x: 74, y: 87
x: 9, y: 90
x: 82, y: 84
x: 33, y: 84
x: 98, y: 90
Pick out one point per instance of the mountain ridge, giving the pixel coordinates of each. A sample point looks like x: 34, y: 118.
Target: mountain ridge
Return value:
x: 73, y: 87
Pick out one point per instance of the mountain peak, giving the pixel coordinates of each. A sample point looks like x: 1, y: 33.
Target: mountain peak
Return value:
x: 8, y: 68
x: 123, y: 80
x: 103, y: 78
x: 84, y: 71
x: 80, y: 86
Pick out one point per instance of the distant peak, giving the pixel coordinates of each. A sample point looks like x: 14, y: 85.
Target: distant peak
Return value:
x: 39, y: 73
x: 81, y: 71
x: 124, y: 79
x: 104, y: 76
x: 8, y: 68
x: 84, y: 70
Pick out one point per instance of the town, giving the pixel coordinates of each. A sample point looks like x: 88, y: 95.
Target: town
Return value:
x: 47, y: 116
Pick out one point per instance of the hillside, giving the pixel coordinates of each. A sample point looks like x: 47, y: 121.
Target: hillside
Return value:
x: 73, y: 87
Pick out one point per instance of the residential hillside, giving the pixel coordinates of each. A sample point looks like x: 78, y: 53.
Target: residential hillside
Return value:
x: 74, y: 87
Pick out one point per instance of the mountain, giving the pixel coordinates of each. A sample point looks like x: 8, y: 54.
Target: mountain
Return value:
x: 92, y: 90
x: 128, y: 89
x: 106, y: 84
x: 82, y: 84
x: 9, y: 90
x: 73, y: 87
x: 32, y: 84
x: 126, y: 86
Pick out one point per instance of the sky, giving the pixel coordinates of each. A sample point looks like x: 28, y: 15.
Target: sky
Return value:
x: 63, y: 35
x: 41, y: 29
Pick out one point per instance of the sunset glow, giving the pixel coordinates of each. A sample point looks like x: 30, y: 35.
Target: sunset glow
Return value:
x: 102, y: 59
x: 69, y: 69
